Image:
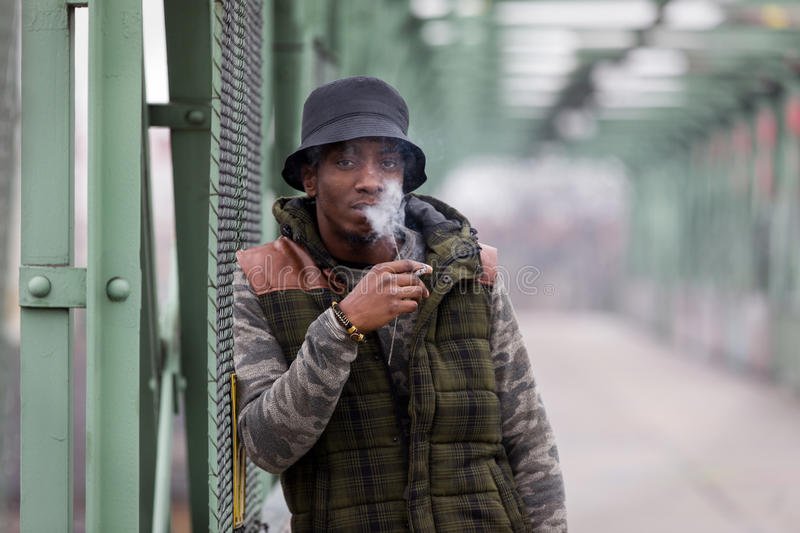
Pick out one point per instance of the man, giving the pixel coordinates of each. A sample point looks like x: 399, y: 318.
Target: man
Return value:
x: 380, y: 367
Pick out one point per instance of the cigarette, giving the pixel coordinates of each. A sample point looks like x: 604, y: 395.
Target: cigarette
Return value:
x: 421, y: 271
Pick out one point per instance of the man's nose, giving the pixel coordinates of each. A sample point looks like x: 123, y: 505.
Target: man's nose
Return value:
x: 370, y: 179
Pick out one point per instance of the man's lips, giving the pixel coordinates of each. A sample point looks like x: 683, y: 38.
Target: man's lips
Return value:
x: 363, y: 205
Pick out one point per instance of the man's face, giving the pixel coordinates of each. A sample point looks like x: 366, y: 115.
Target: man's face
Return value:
x: 349, y: 177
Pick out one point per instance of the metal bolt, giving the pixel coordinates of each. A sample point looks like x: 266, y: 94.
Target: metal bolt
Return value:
x: 118, y: 289
x: 39, y: 286
x: 195, y: 116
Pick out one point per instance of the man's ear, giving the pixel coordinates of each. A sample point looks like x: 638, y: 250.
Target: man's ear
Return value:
x: 309, y: 177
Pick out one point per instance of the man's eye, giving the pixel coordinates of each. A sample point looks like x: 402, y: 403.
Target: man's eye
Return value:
x: 344, y: 163
x: 390, y: 164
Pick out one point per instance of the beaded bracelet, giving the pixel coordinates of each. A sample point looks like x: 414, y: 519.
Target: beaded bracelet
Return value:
x: 355, y: 335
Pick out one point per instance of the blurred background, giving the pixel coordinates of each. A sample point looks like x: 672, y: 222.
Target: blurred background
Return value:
x: 636, y: 162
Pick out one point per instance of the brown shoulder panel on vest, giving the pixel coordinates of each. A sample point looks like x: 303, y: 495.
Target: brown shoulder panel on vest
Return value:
x: 280, y: 265
x: 489, y: 264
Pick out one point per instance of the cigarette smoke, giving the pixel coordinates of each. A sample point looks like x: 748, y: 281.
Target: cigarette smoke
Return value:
x: 387, y: 215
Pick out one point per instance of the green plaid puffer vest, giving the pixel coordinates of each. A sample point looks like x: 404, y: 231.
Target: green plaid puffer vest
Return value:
x: 441, y: 465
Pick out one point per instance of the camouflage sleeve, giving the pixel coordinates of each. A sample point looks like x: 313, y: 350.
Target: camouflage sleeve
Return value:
x: 284, y: 408
x: 527, y: 435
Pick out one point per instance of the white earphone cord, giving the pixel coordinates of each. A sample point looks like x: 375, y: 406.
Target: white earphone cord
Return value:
x: 394, y: 328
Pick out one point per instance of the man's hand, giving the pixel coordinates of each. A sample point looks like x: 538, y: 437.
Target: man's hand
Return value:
x: 386, y: 291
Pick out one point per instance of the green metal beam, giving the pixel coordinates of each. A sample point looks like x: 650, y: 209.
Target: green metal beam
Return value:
x: 151, y: 358
x: 290, y: 60
x: 179, y: 116
x: 114, y: 281
x: 268, y: 156
x: 743, y: 41
x: 9, y: 149
x: 188, y: 28
x: 46, y: 442
x: 52, y: 287
x: 171, y: 387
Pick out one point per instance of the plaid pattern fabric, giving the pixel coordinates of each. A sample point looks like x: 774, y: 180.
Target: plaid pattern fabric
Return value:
x: 450, y: 473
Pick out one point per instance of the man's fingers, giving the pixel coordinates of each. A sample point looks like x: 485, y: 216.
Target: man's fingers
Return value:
x: 414, y: 292
x: 405, y: 285
x: 404, y: 265
x: 406, y: 306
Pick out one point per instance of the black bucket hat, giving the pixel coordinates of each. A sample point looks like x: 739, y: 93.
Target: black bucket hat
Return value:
x: 350, y: 108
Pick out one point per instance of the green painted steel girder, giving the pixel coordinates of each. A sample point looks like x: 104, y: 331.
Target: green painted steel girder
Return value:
x: 46, y: 443
x: 9, y: 146
x: 189, y: 59
x: 268, y: 156
x: 54, y: 287
x: 728, y: 40
x: 290, y: 84
x: 150, y: 347
x: 210, y: 292
x: 178, y: 116
x: 114, y: 276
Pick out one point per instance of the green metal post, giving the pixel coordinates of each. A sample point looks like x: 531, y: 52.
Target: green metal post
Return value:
x: 150, y: 345
x: 781, y: 241
x: 741, y: 169
x: 170, y: 381
x: 9, y: 116
x: 267, y: 124
x: 188, y: 28
x: 161, y: 498
x: 684, y: 181
x: 212, y: 229
x: 775, y: 286
x: 47, y: 239
x: 792, y: 189
x: 783, y: 238
x: 289, y: 63
x: 114, y: 278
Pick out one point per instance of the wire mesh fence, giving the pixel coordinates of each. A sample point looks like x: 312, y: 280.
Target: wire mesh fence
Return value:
x: 237, y: 206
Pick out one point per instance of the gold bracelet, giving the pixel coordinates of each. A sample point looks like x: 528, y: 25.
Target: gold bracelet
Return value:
x: 355, y: 335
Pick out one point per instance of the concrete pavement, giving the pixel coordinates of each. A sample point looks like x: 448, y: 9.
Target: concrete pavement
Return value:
x: 657, y: 441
